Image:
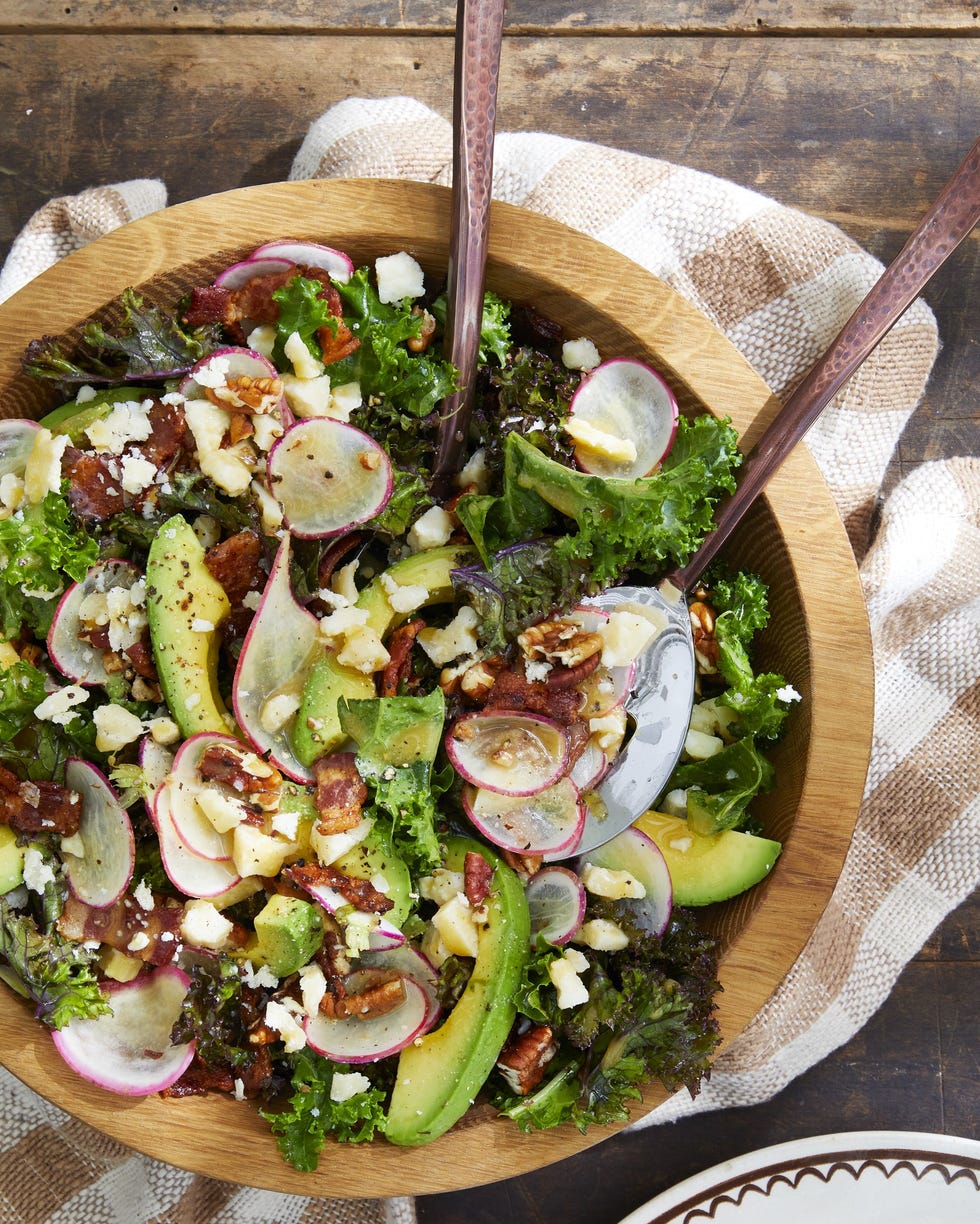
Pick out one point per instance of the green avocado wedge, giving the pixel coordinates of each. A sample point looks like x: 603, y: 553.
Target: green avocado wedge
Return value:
x: 705, y: 869
x: 11, y: 860
x: 184, y: 607
x: 439, y: 1077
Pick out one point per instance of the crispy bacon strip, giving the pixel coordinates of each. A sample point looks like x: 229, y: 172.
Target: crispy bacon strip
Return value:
x: 258, y: 782
x: 120, y: 924
x: 235, y: 563
x: 477, y: 874
x: 93, y: 492
x: 340, y: 792
x: 513, y: 691
x: 359, y: 892
x: 399, y: 665
x: 36, y: 807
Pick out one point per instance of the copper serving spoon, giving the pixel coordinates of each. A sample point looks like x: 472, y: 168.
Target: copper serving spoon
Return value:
x: 663, y: 690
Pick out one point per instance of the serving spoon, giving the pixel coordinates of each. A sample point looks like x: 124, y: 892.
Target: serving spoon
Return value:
x: 662, y: 695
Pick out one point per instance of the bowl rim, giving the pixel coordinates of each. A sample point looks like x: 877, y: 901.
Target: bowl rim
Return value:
x: 367, y: 213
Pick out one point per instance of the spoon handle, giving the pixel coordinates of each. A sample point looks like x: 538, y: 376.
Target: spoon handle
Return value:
x: 941, y: 230
x: 479, y: 29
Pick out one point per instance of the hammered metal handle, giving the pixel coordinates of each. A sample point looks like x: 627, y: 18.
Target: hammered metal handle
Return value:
x: 479, y: 29
x: 942, y: 229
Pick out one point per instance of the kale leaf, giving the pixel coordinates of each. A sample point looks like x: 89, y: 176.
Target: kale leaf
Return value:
x: 311, y: 1114
x: 495, y: 335
x: 22, y: 688
x: 51, y: 971
x: 212, y: 1014
x: 143, y: 341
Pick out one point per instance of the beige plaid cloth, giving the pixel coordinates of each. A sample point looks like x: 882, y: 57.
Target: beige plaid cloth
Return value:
x: 779, y: 284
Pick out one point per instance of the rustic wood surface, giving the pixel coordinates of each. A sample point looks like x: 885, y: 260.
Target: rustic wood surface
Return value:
x: 850, y: 109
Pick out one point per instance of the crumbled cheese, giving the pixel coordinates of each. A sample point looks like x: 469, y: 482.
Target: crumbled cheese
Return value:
x: 342, y: 583
x: 339, y: 624
x: 42, y: 472
x: 37, y: 872
x: 430, y: 530
x: 239, y: 1093
x: 279, y: 1017
x: 674, y: 803
x: 625, y: 635
x: 269, y: 508
x: 277, y: 711
x: 262, y: 340
x: 251, y: 600
x: 258, y: 976
x: 602, y: 935
x: 328, y: 847
x: 73, y: 845
x: 256, y: 853
x: 599, y: 442
x: 364, y: 651
x: 230, y: 467
x: 11, y: 491
x: 458, y: 638
x: 308, y: 397
x: 127, y: 422
x: 115, y: 727
x: 85, y: 394
x: 398, y: 276
x: 475, y: 472
x: 347, y: 1084
x: 456, y: 923
x: 207, y: 529
x: 441, y: 886
x: 163, y: 730
x: 313, y: 986
x: 699, y: 746
x: 267, y: 429
x: 788, y: 693
x: 607, y: 730
x: 403, y: 598
x: 344, y: 400
x: 305, y: 365
x: 223, y: 811
x: 139, y: 941
x: 358, y: 927
x: 143, y: 895
x: 286, y: 824
x: 214, y: 373
x: 564, y: 973
x: 200, y: 625
x: 58, y: 707
x: 536, y: 670
x: 580, y: 354
x: 138, y: 473
x: 203, y: 926
x: 605, y: 882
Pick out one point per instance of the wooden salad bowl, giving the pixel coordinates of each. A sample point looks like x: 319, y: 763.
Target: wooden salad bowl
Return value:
x: 818, y: 636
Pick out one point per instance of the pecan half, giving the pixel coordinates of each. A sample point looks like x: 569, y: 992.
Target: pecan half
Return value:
x: 523, y: 1059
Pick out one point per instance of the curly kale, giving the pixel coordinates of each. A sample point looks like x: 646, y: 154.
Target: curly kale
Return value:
x: 53, y: 972
x: 212, y: 1014
x: 141, y: 342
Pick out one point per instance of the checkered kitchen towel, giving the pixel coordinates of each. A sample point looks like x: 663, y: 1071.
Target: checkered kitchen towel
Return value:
x: 779, y: 284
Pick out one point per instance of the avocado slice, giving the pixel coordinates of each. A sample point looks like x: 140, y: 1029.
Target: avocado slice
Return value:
x: 317, y: 729
x: 287, y: 933
x: 11, y: 860
x: 184, y: 607
x: 439, y: 1076
x: 369, y: 859
x: 74, y: 418
x: 705, y: 869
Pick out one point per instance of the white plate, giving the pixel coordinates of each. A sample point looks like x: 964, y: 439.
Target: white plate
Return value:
x: 864, y: 1177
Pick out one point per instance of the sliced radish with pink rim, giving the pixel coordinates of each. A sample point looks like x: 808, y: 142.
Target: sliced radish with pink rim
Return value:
x: 278, y: 651
x: 383, y: 937
x: 310, y: 254
x: 549, y: 822
x: 634, y: 852
x: 16, y: 443
x: 606, y: 687
x: 248, y: 269
x: 191, y: 825
x: 624, y: 400
x: 155, y: 761
x: 590, y: 766
x: 233, y: 362
x: 101, y: 875
x: 507, y: 751
x: 129, y: 1051
x: 189, y: 873
x: 328, y: 477
x: 556, y: 899
x: 362, y: 1040
x: 408, y: 962
x: 79, y: 660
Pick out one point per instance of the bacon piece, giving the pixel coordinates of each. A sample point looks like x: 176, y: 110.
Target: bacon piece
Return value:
x: 140, y: 654
x: 199, y: 1079
x: 340, y: 792
x: 523, y: 1059
x: 235, y: 563
x: 93, y: 492
x: 477, y: 874
x: 255, y: 780
x: 38, y: 807
x: 207, y: 304
x: 168, y: 437
x: 120, y: 924
x: 359, y: 892
x: 513, y: 691
x: 399, y: 665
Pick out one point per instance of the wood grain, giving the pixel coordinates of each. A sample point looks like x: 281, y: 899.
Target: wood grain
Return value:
x: 820, y: 629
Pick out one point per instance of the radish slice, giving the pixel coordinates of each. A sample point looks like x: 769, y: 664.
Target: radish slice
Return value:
x: 328, y: 477
x: 384, y: 935
x: 626, y: 401
x: 155, y: 761
x: 556, y: 899
x: 606, y: 687
x: 74, y: 658
x: 129, y: 1050
x: 16, y: 443
x: 192, y: 827
x: 230, y: 363
x: 547, y: 823
x: 311, y: 255
x: 589, y: 767
x: 508, y: 752
x: 248, y: 269
x: 189, y: 873
x: 410, y: 963
x: 101, y: 875
x: 357, y: 1040
x: 638, y: 854
x: 278, y: 651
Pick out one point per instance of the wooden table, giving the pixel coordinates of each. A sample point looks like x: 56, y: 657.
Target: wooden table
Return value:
x: 854, y: 110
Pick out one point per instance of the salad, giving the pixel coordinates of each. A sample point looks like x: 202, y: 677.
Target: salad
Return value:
x: 297, y: 748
